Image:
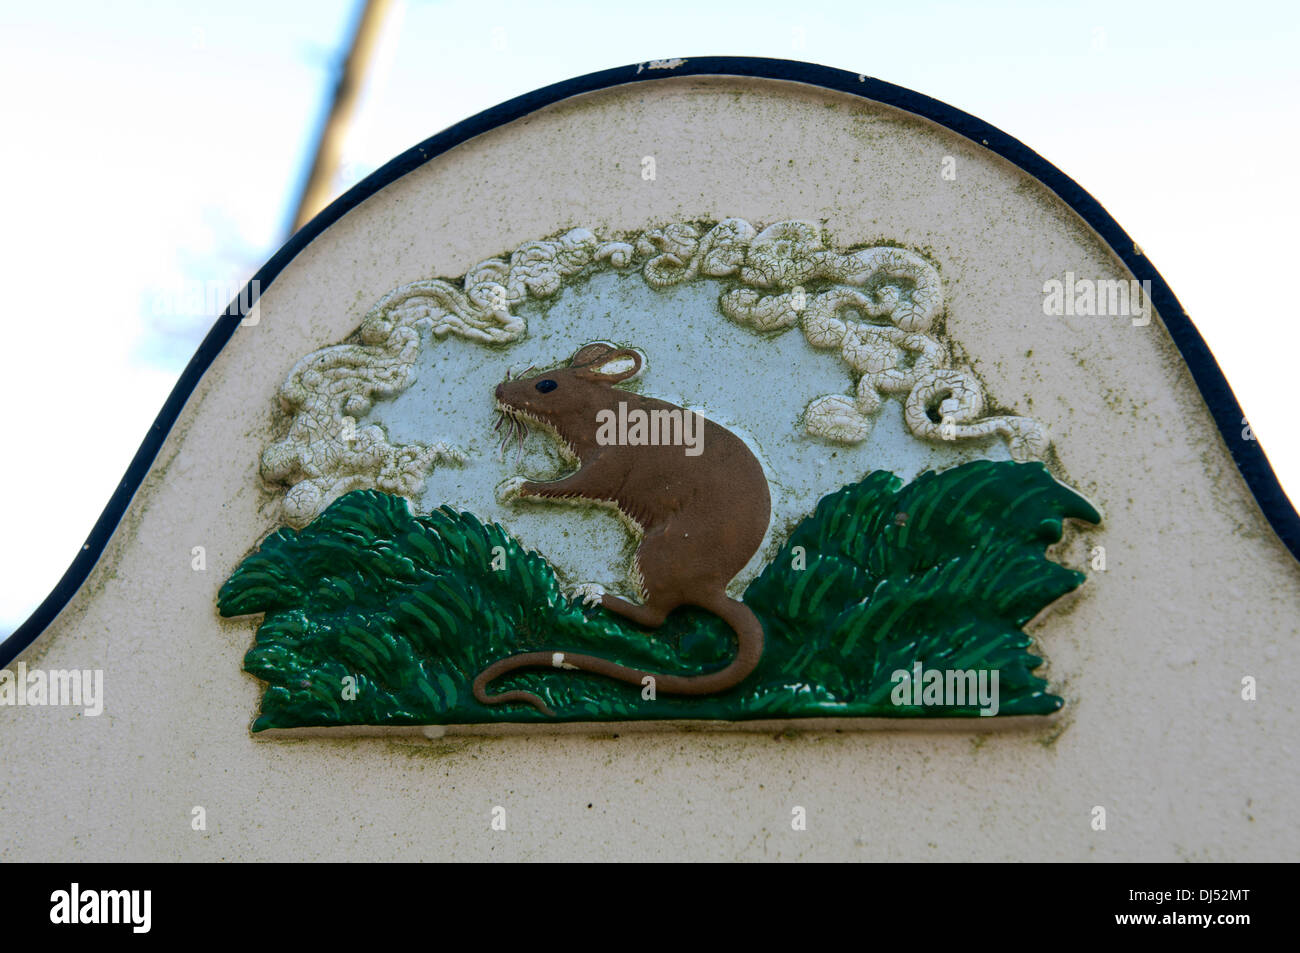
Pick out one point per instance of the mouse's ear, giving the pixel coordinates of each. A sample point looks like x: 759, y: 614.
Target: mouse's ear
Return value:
x: 589, y: 354
x: 610, y: 365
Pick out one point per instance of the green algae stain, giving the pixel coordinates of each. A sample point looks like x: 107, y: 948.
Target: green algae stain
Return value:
x: 374, y: 616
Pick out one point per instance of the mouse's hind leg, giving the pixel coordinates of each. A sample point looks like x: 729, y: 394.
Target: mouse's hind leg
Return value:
x: 655, y: 560
x: 650, y: 613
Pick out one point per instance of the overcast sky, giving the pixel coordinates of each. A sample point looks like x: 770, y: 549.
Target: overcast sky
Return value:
x: 153, y: 148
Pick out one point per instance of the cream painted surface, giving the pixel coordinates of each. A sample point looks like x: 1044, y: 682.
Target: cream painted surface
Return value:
x: 1149, y: 655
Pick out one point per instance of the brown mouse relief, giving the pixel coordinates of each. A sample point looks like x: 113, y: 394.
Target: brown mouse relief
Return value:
x: 694, y: 491
x: 884, y: 598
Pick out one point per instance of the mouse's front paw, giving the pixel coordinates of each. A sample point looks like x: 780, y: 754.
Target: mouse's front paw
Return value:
x: 510, y: 489
x: 590, y: 593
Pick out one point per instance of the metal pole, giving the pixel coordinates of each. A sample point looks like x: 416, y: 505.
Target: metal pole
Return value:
x: 318, y: 189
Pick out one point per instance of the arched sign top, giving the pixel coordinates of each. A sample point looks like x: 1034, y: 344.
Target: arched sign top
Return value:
x: 1226, y: 412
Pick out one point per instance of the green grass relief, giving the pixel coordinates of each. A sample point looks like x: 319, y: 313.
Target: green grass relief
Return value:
x: 944, y: 571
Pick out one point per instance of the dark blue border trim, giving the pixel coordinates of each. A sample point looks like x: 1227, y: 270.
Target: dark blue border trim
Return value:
x: 1248, y: 455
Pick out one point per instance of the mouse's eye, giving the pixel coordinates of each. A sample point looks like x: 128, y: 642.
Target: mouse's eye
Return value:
x: 546, y: 385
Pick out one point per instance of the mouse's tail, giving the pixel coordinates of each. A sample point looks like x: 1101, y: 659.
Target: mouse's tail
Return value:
x: 749, y: 637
